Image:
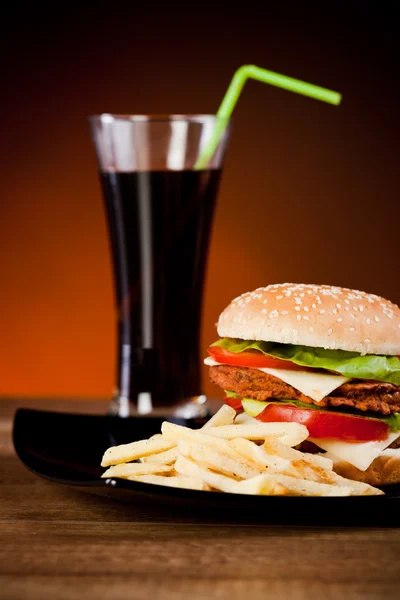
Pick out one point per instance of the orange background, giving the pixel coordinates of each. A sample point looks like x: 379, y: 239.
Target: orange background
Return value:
x: 309, y: 192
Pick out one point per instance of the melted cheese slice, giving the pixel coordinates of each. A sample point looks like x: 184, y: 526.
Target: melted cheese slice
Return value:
x: 314, y: 385
x: 359, y: 454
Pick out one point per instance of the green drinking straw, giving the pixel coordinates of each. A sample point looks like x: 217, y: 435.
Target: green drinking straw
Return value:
x: 234, y: 90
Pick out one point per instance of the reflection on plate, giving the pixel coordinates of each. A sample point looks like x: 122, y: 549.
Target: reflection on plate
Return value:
x: 67, y: 449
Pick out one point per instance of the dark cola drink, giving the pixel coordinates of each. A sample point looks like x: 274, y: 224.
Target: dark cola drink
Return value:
x: 159, y: 226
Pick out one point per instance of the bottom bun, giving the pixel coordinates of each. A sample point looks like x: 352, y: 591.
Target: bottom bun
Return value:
x: 384, y: 470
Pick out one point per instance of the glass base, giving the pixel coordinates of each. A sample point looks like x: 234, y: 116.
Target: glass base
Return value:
x: 195, y: 407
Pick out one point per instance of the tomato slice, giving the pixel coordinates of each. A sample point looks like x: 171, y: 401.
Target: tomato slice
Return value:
x: 235, y: 403
x: 252, y: 359
x: 328, y: 425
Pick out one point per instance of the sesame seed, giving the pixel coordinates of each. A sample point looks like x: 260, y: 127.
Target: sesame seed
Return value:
x: 335, y: 311
x: 361, y: 307
x: 347, y: 301
x: 311, y: 329
x: 306, y: 308
x: 338, y: 305
x: 265, y: 301
x: 321, y: 312
x: 297, y: 308
x: 339, y: 320
x: 298, y: 300
x: 301, y: 295
x: 352, y: 328
x: 264, y: 311
x: 279, y: 297
x: 376, y: 319
x: 352, y: 316
x: 347, y: 308
x: 355, y: 308
x: 284, y: 312
x: 299, y: 317
x: 330, y: 331
x: 368, y: 321
x: 367, y: 341
x: 313, y: 305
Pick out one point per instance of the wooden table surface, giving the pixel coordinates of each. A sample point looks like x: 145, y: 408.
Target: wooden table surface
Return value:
x: 58, y: 543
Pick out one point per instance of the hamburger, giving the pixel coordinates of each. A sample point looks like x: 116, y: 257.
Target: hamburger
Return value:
x: 323, y: 356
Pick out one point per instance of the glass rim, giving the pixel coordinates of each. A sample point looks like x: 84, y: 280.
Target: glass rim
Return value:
x: 154, y: 118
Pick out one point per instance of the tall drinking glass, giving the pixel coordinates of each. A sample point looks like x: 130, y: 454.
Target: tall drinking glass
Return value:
x: 159, y: 209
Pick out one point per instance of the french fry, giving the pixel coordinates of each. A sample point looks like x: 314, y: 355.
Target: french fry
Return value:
x: 256, y: 454
x: 128, y: 452
x: 168, y: 457
x: 262, y: 486
x: 314, y: 467
x: 224, y: 416
x: 191, y: 483
x: 290, y: 434
x: 237, y: 468
x: 129, y: 469
x: 175, y: 433
x: 243, y: 418
x: 358, y: 487
x: 216, y: 481
x: 232, y: 454
x: 185, y: 466
x: 302, y: 464
x: 273, y: 484
x: 275, y: 447
x: 300, y: 469
x: 183, y: 448
x: 305, y: 487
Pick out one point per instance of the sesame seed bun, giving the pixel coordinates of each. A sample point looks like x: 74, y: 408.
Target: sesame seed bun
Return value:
x: 384, y: 470
x: 321, y: 316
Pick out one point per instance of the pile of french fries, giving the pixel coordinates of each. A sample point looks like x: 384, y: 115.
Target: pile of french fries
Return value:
x: 231, y: 453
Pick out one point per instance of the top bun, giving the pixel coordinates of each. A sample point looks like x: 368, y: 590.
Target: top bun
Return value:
x: 321, y: 316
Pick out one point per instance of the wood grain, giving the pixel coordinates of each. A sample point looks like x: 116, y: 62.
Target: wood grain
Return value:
x: 57, y: 542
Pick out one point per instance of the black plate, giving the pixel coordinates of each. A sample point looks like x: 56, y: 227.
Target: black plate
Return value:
x: 67, y: 449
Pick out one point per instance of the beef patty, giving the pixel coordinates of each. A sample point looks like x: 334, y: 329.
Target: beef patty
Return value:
x: 252, y: 383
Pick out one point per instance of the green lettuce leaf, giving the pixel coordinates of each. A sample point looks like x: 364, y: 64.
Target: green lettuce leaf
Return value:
x: 349, y: 364
x: 393, y: 421
x: 231, y: 394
